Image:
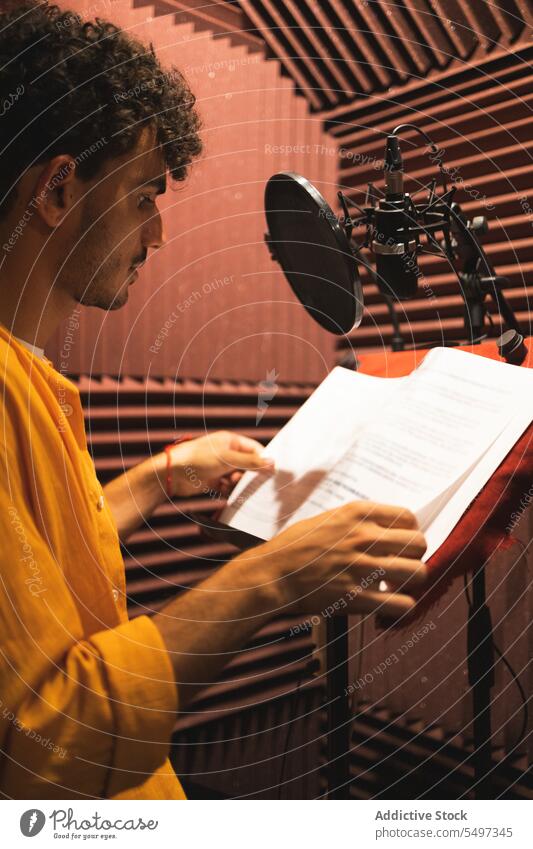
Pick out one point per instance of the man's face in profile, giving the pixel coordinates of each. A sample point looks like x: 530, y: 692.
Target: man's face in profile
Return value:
x: 116, y: 223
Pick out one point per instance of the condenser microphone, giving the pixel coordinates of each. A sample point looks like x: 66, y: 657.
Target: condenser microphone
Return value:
x: 393, y: 241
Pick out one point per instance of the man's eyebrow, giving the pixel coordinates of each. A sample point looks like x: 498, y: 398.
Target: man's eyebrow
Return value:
x: 159, y: 183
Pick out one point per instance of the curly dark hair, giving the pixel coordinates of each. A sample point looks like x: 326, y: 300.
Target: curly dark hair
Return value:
x: 73, y: 86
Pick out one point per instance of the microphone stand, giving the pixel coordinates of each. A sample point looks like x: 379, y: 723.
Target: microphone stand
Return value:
x: 338, y: 715
x: 480, y: 662
x: 477, y: 279
x: 397, y: 341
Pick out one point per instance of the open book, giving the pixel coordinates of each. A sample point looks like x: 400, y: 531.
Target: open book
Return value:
x: 428, y: 442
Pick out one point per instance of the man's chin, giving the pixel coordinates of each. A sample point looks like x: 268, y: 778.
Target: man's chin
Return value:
x: 118, y: 302
x: 102, y: 302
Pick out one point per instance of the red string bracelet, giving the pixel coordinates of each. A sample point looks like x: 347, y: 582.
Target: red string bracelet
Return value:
x: 168, y: 449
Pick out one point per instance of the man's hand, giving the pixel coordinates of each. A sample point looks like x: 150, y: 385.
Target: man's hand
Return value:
x: 209, y: 465
x: 213, y: 464
x: 343, y: 555
x: 339, y: 556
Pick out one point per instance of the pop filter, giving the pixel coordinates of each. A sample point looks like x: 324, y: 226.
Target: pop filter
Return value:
x: 314, y: 252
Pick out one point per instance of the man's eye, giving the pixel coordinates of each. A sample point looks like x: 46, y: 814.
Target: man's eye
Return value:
x: 145, y: 200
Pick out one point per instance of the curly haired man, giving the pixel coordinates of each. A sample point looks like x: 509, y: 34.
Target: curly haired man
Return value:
x: 89, y: 697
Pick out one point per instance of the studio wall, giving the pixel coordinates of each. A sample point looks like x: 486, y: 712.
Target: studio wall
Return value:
x: 318, y: 102
x: 459, y: 70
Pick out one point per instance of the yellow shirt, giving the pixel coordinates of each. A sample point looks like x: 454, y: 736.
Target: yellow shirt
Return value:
x: 87, y: 698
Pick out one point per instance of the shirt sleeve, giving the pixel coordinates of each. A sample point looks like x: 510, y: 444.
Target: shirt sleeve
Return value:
x: 80, y: 716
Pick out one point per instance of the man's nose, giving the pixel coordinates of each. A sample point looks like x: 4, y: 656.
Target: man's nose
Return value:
x: 153, y: 232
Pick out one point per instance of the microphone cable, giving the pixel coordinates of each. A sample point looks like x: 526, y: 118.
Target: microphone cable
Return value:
x: 514, y: 676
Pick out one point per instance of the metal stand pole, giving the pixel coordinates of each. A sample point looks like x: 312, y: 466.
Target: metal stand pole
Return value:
x: 339, y: 721
x: 481, y: 680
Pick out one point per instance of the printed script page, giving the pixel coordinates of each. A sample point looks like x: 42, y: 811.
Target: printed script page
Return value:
x: 427, y: 442
x: 306, y: 449
x: 456, y: 412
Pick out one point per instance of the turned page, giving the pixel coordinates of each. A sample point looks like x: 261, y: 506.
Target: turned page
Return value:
x: 306, y: 449
x: 454, y: 413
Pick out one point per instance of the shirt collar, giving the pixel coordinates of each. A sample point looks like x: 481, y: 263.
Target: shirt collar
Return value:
x: 39, y: 352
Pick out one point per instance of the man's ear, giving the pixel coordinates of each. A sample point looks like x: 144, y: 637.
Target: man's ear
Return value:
x: 54, y: 194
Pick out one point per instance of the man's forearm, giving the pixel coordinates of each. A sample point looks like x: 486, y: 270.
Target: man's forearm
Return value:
x: 206, y: 626
x: 134, y: 495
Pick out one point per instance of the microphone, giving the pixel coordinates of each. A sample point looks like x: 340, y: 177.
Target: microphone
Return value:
x: 319, y: 258
x: 394, y: 248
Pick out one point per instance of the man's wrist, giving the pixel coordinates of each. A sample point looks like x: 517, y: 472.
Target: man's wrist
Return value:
x: 158, y: 467
x: 172, y: 466
x: 161, y: 471
x: 256, y: 569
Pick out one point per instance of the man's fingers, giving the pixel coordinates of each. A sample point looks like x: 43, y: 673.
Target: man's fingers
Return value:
x: 245, y: 444
x: 247, y: 461
x: 228, y: 482
x: 391, y: 605
x: 387, y: 515
x: 395, y: 571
